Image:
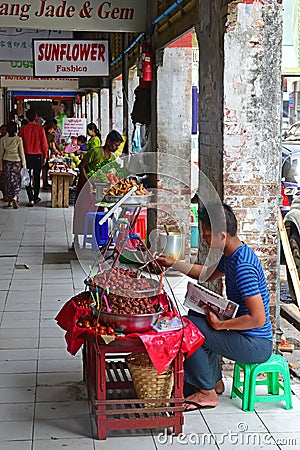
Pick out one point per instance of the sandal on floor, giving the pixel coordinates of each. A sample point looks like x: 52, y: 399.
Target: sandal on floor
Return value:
x: 15, y: 203
x: 196, y: 406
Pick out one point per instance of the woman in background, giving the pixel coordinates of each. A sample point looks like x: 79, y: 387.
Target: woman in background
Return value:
x: 93, y: 159
x: 12, y: 159
x: 3, y: 181
x: 95, y: 137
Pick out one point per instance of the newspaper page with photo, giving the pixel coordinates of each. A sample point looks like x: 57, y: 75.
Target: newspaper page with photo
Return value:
x: 198, y: 297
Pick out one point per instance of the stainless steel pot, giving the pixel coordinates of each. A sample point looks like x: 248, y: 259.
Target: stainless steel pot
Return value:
x: 128, y: 323
x: 172, y: 244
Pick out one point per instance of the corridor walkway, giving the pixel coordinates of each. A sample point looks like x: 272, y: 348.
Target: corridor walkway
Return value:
x: 43, y: 402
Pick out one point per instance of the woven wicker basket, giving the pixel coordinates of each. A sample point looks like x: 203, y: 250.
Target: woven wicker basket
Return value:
x: 147, y: 382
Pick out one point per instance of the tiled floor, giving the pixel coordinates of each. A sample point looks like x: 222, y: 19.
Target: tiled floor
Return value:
x: 43, y: 403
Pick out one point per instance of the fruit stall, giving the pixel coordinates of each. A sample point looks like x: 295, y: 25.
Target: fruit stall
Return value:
x: 132, y: 335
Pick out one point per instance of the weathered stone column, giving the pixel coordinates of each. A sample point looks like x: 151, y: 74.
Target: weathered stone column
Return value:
x: 252, y: 112
x: 174, y: 121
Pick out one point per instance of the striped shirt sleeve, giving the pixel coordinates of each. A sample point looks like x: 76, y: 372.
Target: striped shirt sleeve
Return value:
x: 247, y: 280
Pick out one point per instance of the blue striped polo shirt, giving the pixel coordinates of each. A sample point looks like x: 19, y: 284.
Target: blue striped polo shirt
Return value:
x: 244, y: 277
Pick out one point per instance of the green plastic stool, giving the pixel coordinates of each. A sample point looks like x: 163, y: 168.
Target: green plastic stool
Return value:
x: 194, y: 211
x: 272, y: 367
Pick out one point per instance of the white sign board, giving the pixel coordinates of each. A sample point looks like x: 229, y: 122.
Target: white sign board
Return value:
x: 73, y: 127
x: 16, y: 43
x: 23, y: 68
x: 32, y: 83
x: 70, y: 58
x: 76, y: 15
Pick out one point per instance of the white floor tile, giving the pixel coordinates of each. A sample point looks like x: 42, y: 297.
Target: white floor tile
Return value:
x: 52, y: 332
x: 18, y: 343
x: 55, y: 342
x: 61, y: 410
x: 234, y: 423
x: 27, y: 294
x: 22, y: 285
x: 71, y: 444
x: 278, y: 406
x: 54, y: 365
x: 245, y: 441
x: 19, y: 333
x: 17, y: 395
x: 27, y: 354
x: 17, y: 380
x: 18, y: 366
x: 287, y: 441
x: 16, y: 412
x: 55, y: 353
x: 126, y: 443
x: 195, y: 440
x: 20, y: 316
x: 289, y: 423
x: 194, y: 421
x: 11, y: 323
x: 59, y: 379
x: 15, y: 431
x: 15, y: 445
x: 64, y: 393
x: 67, y: 428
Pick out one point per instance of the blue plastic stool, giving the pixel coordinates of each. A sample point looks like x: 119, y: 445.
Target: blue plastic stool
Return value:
x: 272, y: 367
x: 98, y: 234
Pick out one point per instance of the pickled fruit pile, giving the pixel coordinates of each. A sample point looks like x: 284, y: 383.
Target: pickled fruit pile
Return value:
x: 123, y: 186
x: 83, y: 299
x: 122, y: 282
x: 92, y: 324
x: 127, y: 305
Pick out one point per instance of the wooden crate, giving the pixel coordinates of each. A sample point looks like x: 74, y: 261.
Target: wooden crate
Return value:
x: 60, y: 189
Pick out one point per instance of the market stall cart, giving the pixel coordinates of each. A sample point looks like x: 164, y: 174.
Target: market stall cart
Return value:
x: 111, y: 393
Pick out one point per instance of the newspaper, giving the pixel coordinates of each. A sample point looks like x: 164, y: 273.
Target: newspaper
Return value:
x: 197, y: 297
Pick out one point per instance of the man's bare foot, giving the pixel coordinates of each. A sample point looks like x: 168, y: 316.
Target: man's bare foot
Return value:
x: 220, y: 387
x: 203, y: 398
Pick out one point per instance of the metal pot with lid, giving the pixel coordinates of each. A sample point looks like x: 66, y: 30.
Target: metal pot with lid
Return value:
x: 172, y: 244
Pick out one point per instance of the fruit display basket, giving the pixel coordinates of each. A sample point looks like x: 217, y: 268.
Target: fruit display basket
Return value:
x: 134, y: 200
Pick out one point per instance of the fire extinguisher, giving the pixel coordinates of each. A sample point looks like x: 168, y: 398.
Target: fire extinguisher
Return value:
x: 147, y: 66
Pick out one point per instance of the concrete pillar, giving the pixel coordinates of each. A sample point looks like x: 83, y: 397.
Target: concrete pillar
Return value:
x: 252, y: 113
x: 104, y: 113
x: 117, y: 105
x: 174, y: 120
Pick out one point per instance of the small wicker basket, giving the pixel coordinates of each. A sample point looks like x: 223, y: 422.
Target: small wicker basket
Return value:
x: 147, y: 382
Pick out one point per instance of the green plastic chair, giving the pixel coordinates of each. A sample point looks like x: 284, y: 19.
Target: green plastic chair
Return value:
x: 194, y: 211
x: 272, y: 367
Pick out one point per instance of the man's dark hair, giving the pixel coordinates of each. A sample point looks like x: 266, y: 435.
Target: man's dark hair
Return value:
x: 218, y: 217
x: 114, y: 136
x: 30, y: 114
x: 81, y: 138
x: 12, y: 128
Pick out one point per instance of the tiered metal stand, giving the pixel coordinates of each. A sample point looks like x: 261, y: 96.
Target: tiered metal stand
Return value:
x: 110, y: 388
x: 111, y: 393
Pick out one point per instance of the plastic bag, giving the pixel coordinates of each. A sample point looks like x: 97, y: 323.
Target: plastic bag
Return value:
x: 25, y: 177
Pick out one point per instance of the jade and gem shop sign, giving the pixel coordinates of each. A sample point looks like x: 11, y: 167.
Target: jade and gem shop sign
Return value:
x: 75, y: 15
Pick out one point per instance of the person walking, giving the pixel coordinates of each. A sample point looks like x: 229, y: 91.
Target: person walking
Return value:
x: 36, y: 152
x: 12, y: 159
x: 3, y: 181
